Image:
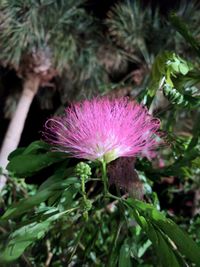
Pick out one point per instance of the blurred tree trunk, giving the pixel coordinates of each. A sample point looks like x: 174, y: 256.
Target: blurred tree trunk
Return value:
x: 16, y: 125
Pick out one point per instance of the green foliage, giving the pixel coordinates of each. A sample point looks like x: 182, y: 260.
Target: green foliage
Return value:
x: 161, y: 231
x: 166, y: 66
x: 124, y: 256
x: 167, y: 72
x: 23, y: 238
x: 51, y: 193
x: 129, y: 25
x: 61, y: 197
x: 45, y: 25
x: 68, y: 215
x: 142, y: 33
x: 183, y: 29
x: 35, y: 157
x: 57, y: 192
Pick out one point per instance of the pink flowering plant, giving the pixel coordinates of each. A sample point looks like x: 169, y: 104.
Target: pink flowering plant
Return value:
x: 95, y: 202
x: 104, y: 130
x: 112, y: 177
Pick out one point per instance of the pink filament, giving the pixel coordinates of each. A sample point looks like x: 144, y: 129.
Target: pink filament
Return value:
x: 93, y: 128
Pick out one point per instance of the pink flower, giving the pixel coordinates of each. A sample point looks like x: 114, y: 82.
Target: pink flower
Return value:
x: 103, y: 129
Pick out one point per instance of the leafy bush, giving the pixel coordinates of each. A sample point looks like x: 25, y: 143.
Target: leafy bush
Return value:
x: 68, y: 218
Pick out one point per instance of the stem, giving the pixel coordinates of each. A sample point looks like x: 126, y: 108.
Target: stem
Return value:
x: 114, y: 197
x: 104, y: 177
x: 85, y: 213
x: 83, y: 188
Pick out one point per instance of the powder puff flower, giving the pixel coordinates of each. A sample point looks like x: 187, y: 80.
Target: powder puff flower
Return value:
x: 103, y: 129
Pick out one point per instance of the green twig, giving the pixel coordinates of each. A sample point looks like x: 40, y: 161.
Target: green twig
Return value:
x: 104, y: 177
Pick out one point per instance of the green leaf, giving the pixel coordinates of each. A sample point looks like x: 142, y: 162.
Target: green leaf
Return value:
x: 182, y: 28
x: 115, y: 246
x: 27, y: 161
x: 164, y: 252
x: 167, y: 256
x: 16, y: 152
x: 174, y: 96
x: 26, y: 205
x: 35, y: 147
x: 27, y: 235
x: 27, y: 164
x: 196, y: 133
x: 142, y: 249
x: 165, y: 67
x: 183, y: 242
x: 22, y: 238
x: 124, y: 256
x: 183, y: 68
x: 60, y: 174
x: 158, y: 71
x: 185, y: 245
